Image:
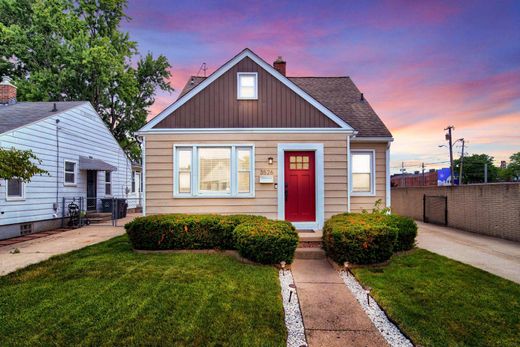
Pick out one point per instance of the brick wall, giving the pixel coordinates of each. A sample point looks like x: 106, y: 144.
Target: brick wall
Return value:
x: 489, y: 209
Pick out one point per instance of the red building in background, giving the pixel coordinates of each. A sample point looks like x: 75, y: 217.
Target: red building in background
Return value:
x: 416, y: 179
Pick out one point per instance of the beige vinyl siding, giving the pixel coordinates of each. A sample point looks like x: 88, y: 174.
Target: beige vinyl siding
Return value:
x: 159, y: 174
x: 358, y: 203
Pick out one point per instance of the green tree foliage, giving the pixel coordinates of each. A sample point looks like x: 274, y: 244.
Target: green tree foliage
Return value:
x: 20, y: 164
x: 473, y: 168
x: 512, y: 171
x: 63, y: 50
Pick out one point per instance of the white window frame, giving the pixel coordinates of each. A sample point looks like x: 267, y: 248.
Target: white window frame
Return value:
x: 372, y: 153
x: 14, y: 198
x: 75, y: 162
x: 239, y: 74
x: 109, y: 183
x: 195, y: 172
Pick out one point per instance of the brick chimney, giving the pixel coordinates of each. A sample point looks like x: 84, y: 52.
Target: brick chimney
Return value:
x: 280, y: 64
x: 7, y: 92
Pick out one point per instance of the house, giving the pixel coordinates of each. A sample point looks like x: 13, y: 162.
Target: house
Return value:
x: 295, y: 148
x: 77, y: 150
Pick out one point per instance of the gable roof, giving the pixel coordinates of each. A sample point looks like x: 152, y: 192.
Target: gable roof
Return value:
x: 24, y: 113
x: 344, y: 126
x: 340, y: 95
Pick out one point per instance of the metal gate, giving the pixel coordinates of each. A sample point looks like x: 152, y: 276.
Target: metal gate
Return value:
x: 435, y: 209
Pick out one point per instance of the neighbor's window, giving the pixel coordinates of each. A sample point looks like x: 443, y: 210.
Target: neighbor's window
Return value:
x: 133, y: 181
x: 15, y: 189
x: 70, y: 172
x: 247, y: 85
x: 363, y: 172
x: 214, y: 171
x: 108, y: 183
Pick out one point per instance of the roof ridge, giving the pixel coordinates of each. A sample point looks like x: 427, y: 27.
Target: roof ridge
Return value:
x: 318, y: 76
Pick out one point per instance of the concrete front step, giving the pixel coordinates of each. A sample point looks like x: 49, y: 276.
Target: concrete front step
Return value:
x: 309, y: 253
x: 309, y: 244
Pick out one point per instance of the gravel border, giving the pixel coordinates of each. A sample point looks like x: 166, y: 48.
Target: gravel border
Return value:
x: 293, y: 314
x: 388, y: 330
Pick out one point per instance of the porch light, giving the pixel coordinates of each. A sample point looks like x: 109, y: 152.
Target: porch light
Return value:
x: 270, y: 160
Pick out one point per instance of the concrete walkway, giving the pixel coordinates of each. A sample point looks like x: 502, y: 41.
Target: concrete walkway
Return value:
x: 500, y: 257
x: 40, y: 249
x: 331, y: 315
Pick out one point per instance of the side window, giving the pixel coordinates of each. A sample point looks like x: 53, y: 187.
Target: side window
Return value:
x: 108, y: 183
x: 15, y: 189
x: 363, y: 172
x: 247, y: 85
x: 70, y: 172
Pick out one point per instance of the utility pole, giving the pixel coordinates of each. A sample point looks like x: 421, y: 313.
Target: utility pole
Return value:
x: 450, y: 146
x: 423, y: 183
x: 461, y: 162
x: 485, y: 173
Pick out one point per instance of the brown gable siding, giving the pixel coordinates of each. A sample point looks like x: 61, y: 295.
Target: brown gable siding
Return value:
x: 217, y: 106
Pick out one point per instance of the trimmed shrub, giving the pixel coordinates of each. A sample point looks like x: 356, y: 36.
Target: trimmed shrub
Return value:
x: 359, y: 238
x: 267, y: 241
x: 406, y: 231
x: 183, y: 231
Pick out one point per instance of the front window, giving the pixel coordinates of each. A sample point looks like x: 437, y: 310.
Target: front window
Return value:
x: 363, y: 172
x: 70, y: 172
x: 108, y: 183
x: 15, y: 189
x: 223, y: 171
x: 247, y: 85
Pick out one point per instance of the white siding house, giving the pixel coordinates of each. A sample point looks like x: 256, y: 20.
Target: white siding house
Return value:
x: 73, y: 142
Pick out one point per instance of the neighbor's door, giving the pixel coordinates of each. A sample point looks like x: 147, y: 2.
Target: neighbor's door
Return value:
x: 300, y: 191
x: 91, y: 190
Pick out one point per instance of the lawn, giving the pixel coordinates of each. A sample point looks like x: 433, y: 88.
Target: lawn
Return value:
x: 108, y: 295
x: 441, y: 302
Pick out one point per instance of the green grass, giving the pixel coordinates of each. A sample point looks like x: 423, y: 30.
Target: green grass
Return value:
x: 108, y: 295
x: 440, y: 302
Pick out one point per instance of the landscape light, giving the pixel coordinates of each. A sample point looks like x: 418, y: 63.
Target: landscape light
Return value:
x: 367, y: 291
x: 282, y: 265
x: 345, y: 265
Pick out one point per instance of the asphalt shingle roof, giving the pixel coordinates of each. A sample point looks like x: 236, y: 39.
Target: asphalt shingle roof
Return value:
x: 338, y: 94
x: 24, y: 113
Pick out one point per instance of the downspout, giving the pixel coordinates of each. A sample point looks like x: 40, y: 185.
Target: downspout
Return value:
x: 143, y: 176
x: 388, y: 190
x: 56, y: 204
x: 348, y: 173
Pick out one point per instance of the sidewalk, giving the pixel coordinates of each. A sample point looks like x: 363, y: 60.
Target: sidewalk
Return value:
x: 40, y: 249
x: 331, y: 314
x: 500, y: 257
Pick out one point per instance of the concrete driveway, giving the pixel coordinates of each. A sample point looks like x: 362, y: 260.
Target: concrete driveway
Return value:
x: 500, y: 257
x: 37, y: 250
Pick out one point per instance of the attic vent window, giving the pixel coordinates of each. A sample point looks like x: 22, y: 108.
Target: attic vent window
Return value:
x: 247, y: 86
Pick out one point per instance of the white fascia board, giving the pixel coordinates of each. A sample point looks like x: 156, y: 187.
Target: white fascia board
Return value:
x: 372, y: 139
x: 246, y: 130
x: 223, y: 69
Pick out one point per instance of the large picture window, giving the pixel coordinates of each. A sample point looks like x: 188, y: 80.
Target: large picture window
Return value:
x: 213, y: 171
x: 363, y: 172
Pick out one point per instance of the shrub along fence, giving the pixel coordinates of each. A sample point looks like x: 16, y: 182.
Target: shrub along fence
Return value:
x: 367, y: 238
x: 255, y: 237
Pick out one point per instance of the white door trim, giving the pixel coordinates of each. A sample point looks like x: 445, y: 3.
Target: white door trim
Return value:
x: 319, y: 182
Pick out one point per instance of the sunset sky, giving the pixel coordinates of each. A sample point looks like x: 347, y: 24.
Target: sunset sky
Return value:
x: 422, y: 65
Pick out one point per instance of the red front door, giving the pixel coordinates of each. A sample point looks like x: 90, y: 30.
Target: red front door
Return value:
x: 300, y: 192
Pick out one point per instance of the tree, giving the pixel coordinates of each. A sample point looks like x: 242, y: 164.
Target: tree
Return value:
x: 65, y: 50
x: 473, y: 168
x: 19, y: 164
x: 512, y: 171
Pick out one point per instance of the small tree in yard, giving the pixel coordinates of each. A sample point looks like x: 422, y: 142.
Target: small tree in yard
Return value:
x: 19, y: 164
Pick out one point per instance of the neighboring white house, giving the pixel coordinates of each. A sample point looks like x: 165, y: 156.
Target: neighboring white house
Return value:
x: 82, y: 158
